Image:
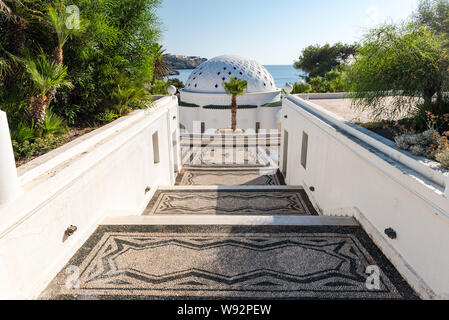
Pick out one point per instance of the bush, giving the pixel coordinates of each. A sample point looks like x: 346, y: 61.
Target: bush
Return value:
x: 27, y: 149
x: 113, y: 48
x: 418, y: 143
x: 301, y: 87
x: 443, y: 158
x: 107, y: 116
x: 403, y: 62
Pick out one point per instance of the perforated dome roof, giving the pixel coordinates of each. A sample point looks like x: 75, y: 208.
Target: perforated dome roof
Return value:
x: 209, y: 76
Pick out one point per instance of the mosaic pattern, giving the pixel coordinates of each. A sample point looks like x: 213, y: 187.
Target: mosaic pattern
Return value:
x: 230, y: 178
x: 199, y: 202
x: 148, y: 262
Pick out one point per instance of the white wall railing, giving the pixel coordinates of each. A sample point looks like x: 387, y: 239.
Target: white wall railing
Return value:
x: 112, y: 171
x: 351, y: 172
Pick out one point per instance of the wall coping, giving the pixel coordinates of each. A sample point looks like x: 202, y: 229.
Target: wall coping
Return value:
x: 46, y: 162
x: 44, y: 177
x: 395, y: 164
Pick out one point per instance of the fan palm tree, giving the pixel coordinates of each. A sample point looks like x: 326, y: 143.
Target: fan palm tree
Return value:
x: 56, y: 18
x: 46, y: 75
x: 161, y: 66
x: 14, y: 16
x: 16, y: 25
x: 235, y: 88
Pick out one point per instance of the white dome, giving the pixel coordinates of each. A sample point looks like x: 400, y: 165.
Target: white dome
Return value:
x: 209, y: 76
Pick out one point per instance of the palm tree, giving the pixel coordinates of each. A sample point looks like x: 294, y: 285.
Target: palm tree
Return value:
x: 15, y: 17
x: 235, y: 88
x: 161, y: 66
x: 56, y: 19
x: 16, y: 25
x: 46, y: 75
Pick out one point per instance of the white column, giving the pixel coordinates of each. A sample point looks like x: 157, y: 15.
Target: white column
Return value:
x: 9, y: 182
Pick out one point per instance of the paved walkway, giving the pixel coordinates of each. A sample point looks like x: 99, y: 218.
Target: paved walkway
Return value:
x: 240, y: 251
x: 230, y: 177
x: 192, y: 201
x: 228, y: 262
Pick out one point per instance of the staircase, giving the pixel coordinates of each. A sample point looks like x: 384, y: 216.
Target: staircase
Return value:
x: 230, y: 232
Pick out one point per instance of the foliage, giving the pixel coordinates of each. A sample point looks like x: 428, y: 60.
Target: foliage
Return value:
x: 318, y: 60
x: 161, y: 65
x: 443, y: 158
x: 113, y: 48
x: 235, y: 87
x: 403, y: 61
x: 176, y: 82
x: 124, y: 99
x: 29, y: 141
x: 46, y: 74
x: 417, y: 143
x: 107, y: 116
x: 432, y: 143
x: 433, y: 14
x: 160, y: 86
x: 333, y: 81
x: 56, y: 18
x: 39, y: 146
x: 52, y: 125
x: 301, y: 87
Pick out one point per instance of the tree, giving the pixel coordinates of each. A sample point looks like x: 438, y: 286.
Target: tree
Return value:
x: 56, y: 18
x: 433, y: 14
x: 45, y: 75
x: 161, y: 66
x: 319, y: 60
x: 235, y: 88
x: 402, y: 61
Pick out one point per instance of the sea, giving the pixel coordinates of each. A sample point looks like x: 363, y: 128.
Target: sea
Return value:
x: 281, y: 74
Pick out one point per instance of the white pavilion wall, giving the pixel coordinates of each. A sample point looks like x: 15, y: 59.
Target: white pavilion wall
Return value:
x: 345, y: 176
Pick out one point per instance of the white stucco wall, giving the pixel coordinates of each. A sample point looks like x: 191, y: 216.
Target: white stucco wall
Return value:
x: 218, y: 119
x: 352, y: 177
x: 104, y: 173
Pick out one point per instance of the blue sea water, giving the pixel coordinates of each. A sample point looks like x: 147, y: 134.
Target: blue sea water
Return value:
x: 281, y: 74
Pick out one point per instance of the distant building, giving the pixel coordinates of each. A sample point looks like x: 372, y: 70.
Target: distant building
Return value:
x: 204, y: 98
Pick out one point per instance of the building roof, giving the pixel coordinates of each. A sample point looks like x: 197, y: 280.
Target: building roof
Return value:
x: 209, y: 76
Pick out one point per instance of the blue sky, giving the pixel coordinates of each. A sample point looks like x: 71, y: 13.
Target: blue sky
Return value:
x: 270, y: 31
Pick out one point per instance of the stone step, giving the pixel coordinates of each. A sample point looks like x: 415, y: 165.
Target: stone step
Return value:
x: 230, y: 176
x: 299, y: 221
x: 231, y: 200
x: 179, y: 262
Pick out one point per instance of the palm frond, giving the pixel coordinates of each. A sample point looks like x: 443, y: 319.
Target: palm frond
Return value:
x: 4, y: 7
x: 235, y: 87
x: 56, y: 18
x: 46, y: 74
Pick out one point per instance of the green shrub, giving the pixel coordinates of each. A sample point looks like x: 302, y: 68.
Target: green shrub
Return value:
x: 176, y: 82
x: 53, y: 124
x: 23, y: 132
x: 159, y: 87
x: 301, y: 87
x: 107, y: 116
x: 27, y: 149
x: 443, y: 158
